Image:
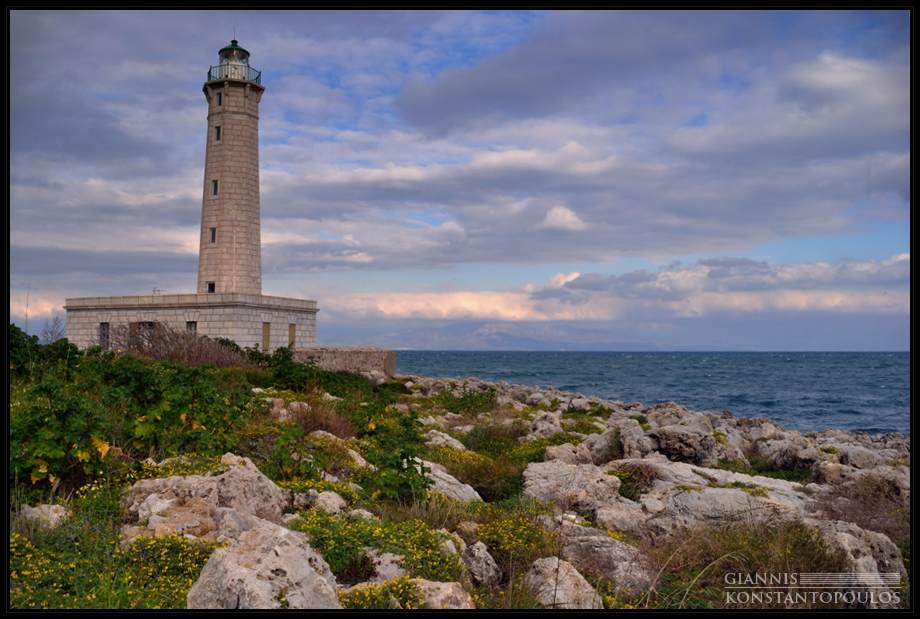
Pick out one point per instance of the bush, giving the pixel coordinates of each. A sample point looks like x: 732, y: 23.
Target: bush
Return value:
x: 636, y: 478
x: 321, y: 415
x: 163, y: 343
x: 494, y: 440
x: 62, y: 436
x: 467, y: 402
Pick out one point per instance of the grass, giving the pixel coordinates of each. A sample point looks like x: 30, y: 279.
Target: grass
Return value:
x: 873, y: 503
x: 765, y: 468
x: 693, y: 565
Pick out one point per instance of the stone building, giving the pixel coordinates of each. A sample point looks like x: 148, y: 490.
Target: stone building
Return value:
x: 229, y: 302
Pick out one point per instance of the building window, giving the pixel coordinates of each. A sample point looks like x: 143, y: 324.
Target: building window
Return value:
x: 220, y: 99
x: 213, y: 235
x: 211, y: 287
x: 266, y: 336
x: 141, y: 334
x: 191, y: 326
x: 104, y: 335
x: 213, y: 188
x: 292, y: 332
x: 217, y: 134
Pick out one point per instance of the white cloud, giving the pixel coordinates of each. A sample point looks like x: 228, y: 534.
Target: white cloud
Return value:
x: 562, y: 218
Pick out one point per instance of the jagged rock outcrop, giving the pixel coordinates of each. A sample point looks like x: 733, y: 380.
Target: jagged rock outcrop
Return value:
x: 447, y: 485
x: 597, y: 554
x: 584, y: 486
x: 192, y: 505
x: 481, y: 566
x: 270, y: 567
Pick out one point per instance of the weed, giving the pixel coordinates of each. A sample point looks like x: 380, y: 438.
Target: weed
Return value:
x: 391, y: 595
x: 613, y: 451
x: 636, y: 478
x: 871, y: 502
x: 693, y: 564
x: 321, y: 414
x: 341, y: 542
x: 765, y: 468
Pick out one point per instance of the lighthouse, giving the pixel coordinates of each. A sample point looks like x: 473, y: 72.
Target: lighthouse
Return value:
x: 230, y: 253
x: 229, y: 302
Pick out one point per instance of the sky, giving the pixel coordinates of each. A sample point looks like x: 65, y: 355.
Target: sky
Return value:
x: 466, y: 180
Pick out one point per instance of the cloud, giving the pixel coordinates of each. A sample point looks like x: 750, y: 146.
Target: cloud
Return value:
x: 740, y: 287
x: 561, y: 218
x: 511, y: 142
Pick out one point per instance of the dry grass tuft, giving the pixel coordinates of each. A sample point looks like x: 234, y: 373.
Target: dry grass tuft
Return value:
x: 322, y: 415
x: 163, y: 343
x: 693, y: 564
x: 872, y: 502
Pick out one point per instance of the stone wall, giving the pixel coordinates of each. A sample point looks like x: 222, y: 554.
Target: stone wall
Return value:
x: 355, y: 359
x: 239, y: 317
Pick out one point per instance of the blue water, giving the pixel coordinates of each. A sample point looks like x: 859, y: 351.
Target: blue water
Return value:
x: 801, y: 391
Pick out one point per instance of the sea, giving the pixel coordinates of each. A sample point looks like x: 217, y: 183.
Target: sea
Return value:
x: 804, y: 391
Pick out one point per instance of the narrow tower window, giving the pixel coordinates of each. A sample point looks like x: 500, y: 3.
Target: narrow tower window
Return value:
x: 213, y: 188
x: 213, y: 235
x: 211, y: 287
x: 220, y: 99
x: 217, y: 134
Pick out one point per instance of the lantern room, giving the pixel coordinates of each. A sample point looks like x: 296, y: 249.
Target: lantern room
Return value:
x: 234, y: 65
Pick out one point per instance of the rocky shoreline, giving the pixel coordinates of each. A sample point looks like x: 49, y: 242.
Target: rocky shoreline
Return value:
x: 646, y: 473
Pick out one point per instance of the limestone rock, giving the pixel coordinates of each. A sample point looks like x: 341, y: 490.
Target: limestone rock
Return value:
x: 687, y: 508
x: 602, y: 556
x: 387, y: 565
x: 444, y: 595
x: 559, y: 585
x: 482, y: 567
x: 582, y: 485
x: 271, y: 567
x: 439, y: 439
x: 868, y: 553
x: 190, y: 505
x: 623, y: 515
x: 685, y: 445
x: 50, y: 516
x: 569, y: 454
x: 449, y: 486
x: 329, y: 501
x: 544, y: 425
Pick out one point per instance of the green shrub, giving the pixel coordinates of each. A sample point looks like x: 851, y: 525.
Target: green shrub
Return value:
x: 393, y: 594
x: 468, y: 402
x: 340, y: 542
x: 494, y: 440
x: 61, y: 436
